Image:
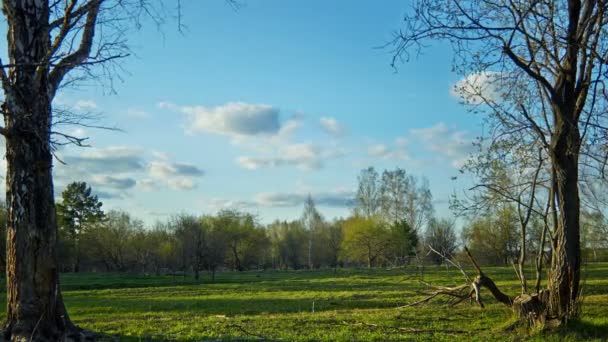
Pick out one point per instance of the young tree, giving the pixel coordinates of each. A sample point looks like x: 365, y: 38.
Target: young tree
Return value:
x: 494, y: 237
x: 365, y: 240
x: 311, y: 221
x: 78, y: 210
x: 537, y: 68
x: 404, y: 241
x: 191, y: 235
x: 289, y: 241
x: 111, y: 241
x: 367, y: 199
x: 402, y: 198
x: 441, y: 237
x: 393, y: 192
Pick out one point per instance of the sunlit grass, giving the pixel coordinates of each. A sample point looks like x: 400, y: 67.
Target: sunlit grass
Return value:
x: 350, y: 305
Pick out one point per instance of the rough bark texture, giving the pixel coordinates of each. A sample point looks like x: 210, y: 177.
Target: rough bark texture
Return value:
x: 35, y: 310
x: 564, y: 277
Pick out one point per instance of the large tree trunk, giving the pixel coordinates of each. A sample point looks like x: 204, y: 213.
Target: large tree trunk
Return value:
x: 34, y: 305
x: 35, y: 309
x: 566, y: 255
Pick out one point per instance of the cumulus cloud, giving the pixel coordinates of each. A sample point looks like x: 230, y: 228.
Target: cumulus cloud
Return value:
x: 121, y: 183
x: 331, y: 126
x: 220, y: 204
x: 233, y: 118
x: 303, y: 156
x: 378, y: 150
x: 479, y: 87
x: 108, y: 195
x: 165, y: 168
x: 114, y: 171
x: 114, y: 159
x: 177, y: 176
x: 382, y: 151
x: 338, y: 199
x: 85, y: 105
x: 181, y: 183
x: 449, y: 143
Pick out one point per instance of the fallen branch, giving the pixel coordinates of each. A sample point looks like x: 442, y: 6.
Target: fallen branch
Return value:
x: 474, y: 285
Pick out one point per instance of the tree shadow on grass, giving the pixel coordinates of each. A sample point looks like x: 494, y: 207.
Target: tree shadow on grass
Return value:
x: 583, y: 329
x: 227, y: 306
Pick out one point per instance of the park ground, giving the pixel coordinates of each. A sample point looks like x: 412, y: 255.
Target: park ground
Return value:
x: 348, y: 305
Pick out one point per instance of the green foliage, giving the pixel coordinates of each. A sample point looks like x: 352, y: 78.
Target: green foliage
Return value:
x: 366, y: 240
x: 494, y: 237
x: 113, y: 242
x: 289, y: 247
x: 78, y: 211
x: 79, y: 208
x: 404, y: 241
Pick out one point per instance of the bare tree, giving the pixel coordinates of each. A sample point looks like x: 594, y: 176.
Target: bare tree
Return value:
x: 311, y: 221
x: 538, y: 69
x: 50, y: 44
x: 367, y: 199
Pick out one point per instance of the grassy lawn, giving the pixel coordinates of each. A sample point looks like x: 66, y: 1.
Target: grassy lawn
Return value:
x: 352, y: 305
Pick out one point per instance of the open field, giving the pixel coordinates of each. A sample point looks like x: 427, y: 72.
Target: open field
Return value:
x: 352, y: 305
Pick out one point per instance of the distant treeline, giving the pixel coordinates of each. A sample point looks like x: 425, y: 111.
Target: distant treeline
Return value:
x: 392, y: 224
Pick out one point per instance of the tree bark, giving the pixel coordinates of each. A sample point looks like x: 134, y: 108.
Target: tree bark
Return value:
x: 35, y: 309
x: 564, y: 277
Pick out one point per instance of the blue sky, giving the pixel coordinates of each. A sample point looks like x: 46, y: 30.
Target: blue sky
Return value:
x: 254, y: 109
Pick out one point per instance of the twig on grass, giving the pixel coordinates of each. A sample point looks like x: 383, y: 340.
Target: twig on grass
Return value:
x: 248, y: 333
x: 408, y: 330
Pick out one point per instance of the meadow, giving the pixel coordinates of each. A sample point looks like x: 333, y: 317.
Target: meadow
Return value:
x: 347, y: 305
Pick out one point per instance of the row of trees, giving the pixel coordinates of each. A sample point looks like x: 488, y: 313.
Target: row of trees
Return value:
x: 92, y: 240
x: 115, y: 241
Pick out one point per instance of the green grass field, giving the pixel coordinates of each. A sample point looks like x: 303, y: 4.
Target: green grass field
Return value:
x: 352, y: 305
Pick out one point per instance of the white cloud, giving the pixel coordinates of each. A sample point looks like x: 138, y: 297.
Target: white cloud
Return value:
x: 303, y: 156
x: 113, y: 172
x: 78, y: 132
x: 136, y: 113
x: 331, y: 126
x: 181, y: 183
x: 220, y: 204
x: 177, y: 176
x: 163, y: 169
x: 339, y: 198
x: 378, y: 150
x: 383, y: 151
x: 112, y: 182
x: 114, y: 159
x: 84, y: 105
x: 147, y: 184
x: 479, y: 87
x: 233, y: 118
x: 327, y: 199
x: 449, y: 143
